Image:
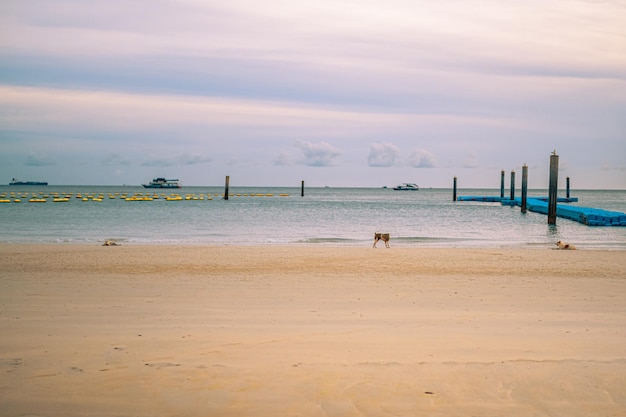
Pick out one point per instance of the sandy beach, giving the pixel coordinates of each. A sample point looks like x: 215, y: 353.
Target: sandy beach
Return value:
x: 311, y: 331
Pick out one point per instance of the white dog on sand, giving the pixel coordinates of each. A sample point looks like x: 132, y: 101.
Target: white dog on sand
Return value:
x: 565, y: 246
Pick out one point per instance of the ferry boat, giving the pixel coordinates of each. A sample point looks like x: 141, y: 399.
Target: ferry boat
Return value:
x: 162, y: 183
x: 406, y: 186
x: 16, y: 182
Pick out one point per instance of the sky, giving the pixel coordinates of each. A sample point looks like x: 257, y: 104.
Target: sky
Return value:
x: 334, y: 93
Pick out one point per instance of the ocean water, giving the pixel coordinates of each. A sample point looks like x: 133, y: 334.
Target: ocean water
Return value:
x: 324, y: 216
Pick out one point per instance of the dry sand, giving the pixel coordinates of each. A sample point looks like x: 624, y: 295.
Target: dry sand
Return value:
x: 311, y: 331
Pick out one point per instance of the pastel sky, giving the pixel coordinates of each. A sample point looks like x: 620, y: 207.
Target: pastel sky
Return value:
x: 341, y: 93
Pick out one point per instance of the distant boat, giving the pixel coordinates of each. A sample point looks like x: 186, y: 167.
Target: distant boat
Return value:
x: 16, y: 182
x: 406, y: 186
x: 162, y: 183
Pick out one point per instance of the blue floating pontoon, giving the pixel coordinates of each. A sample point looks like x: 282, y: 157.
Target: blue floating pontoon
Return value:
x: 484, y: 199
x: 585, y: 215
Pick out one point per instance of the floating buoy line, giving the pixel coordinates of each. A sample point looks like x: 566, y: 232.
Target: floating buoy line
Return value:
x: 56, y: 197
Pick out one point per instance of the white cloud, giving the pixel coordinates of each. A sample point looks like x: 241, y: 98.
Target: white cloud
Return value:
x: 613, y: 167
x: 320, y: 154
x: 421, y: 158
x: 176, y: 160
x: 158, y: 162
x: 283, y: 159
x: 194, y: 159
x: 43, y: 108
x: 34, y: 159
x: 471, y: 161
x: 115, y: 159
x: 383, y: 155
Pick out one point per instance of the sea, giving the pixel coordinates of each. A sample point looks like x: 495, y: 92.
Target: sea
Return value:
x: 282, y: 216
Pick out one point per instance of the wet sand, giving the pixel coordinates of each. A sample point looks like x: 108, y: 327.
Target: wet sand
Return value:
x: 311, y: 331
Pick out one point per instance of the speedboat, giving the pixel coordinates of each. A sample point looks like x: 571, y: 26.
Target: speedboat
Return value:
x: 406, y: 186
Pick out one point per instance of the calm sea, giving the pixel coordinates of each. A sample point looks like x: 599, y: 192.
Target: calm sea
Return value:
x: 324, y: 216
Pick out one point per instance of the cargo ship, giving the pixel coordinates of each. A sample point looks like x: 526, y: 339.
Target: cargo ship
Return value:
x: 16, y: 182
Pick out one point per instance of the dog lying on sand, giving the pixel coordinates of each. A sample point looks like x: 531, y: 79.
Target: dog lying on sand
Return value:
x: 564, y: 246
x: 381, y: 236
x: 109, y: 243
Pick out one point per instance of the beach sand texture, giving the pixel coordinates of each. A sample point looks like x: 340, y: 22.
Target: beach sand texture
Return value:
x: 311, y: 331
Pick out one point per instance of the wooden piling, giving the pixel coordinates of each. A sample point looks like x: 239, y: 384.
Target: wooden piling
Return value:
x: 226, y: 187
x: 302, y: 189
x: 524, y: 187
x: 512, y: 185
x: 502, y: 184
x: 567, y: 187
x: 454, y: 190
x: 553, y: 188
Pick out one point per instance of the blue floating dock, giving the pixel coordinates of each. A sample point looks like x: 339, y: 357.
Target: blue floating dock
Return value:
x: 585, y: 215
x: 485, y: 199
x: 507, y: 201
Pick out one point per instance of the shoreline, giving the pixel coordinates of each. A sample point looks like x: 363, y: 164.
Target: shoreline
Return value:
x: 398, y: 243
x: 161, y: 330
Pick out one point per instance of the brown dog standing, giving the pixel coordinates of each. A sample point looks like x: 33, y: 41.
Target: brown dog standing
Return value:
x: 381, y: 236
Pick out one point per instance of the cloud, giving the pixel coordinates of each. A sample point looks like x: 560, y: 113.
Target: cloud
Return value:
x: 184, y: 159
x: 194, y: 159
x: 611, y: 167
x: 283, y: 159
x: 158, y: 162
x: 383, y: 155
x: 321, y: 154
x: 115, y: 159
x: 39, y: 160
x: 471, y: 161
x: 45, y: 109
x: 421, y: 158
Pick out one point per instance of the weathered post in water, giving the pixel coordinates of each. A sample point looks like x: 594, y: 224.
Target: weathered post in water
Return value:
x: 302, y: 189
x: 226, y: 187
x: 454, y: 190
x: 553, y: 189
x: 502, y: 184
x: 567, y: 187
x: 512, y: 185
x: 524, y: 187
